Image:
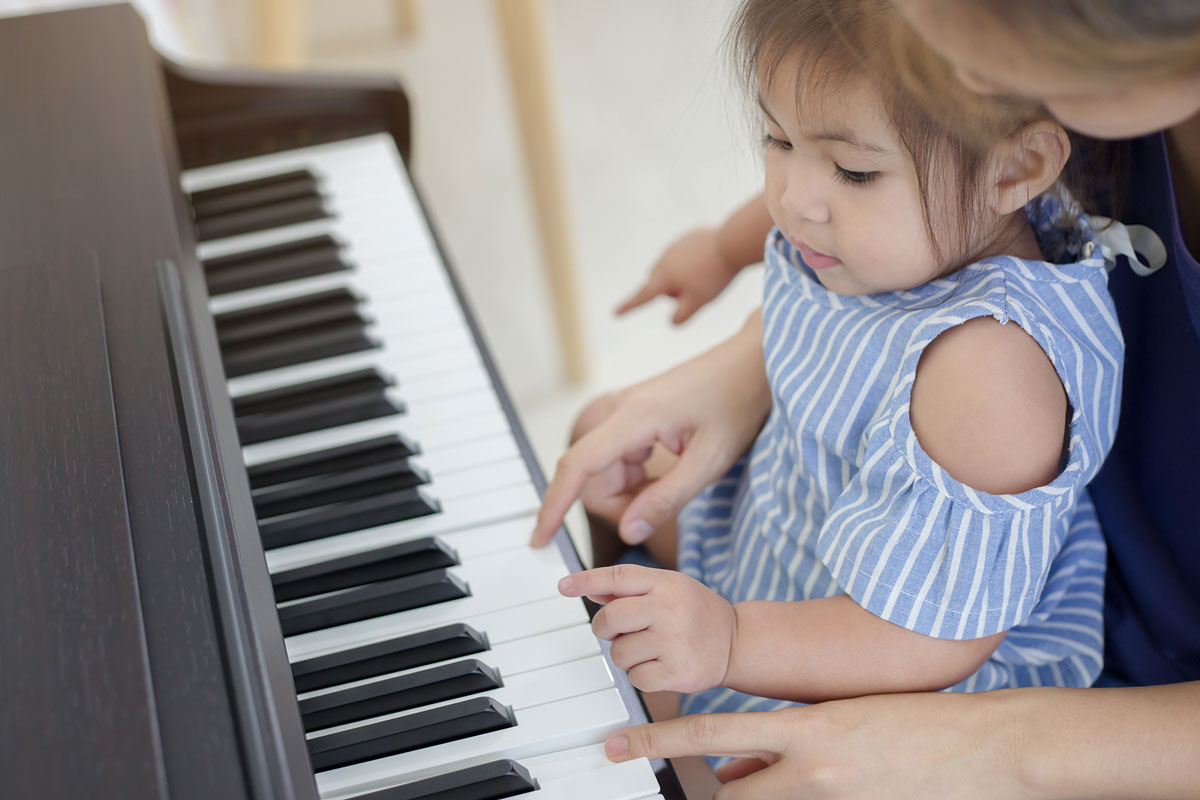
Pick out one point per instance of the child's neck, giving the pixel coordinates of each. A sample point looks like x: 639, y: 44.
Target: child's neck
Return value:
x: 1014, y: 238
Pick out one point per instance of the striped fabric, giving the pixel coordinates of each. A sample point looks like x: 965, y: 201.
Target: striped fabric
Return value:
x: 836, y: 495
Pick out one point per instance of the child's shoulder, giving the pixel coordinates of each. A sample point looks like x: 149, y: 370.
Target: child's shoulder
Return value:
x: 988, y: 406
x: 1002, y: 367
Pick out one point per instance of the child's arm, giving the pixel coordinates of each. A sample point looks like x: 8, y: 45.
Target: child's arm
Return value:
x: 699, y: 265
x: 831, y: 648
x: 672, y: 632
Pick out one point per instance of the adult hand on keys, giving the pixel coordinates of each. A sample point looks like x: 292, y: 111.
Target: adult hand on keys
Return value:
x: 707, y: 411
x: 884, y: 746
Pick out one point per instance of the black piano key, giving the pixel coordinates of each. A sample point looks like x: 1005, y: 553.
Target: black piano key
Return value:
x: 304, y: 258
x: 275, y: 215
x: 415, y: 731
x: 399, y: 693
x: 396, y: 561
x: 338, y: 487
x: 393, y: 655
x: 353, y: 515
x: 495, y: 780
x: 318, y: 415
x: 256, y: 191
x: 284, y: 316
x: 371, y: 600
x: 297, y: 347
x: 321, y: 462
x: 302, y: 394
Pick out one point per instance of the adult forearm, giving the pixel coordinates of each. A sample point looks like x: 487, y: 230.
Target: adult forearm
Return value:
x: 740, y: 238
x: 738, y: 364
x: 831, y: 648
x: 1141, y: 742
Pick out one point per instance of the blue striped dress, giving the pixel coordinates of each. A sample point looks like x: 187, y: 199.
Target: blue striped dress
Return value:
x: 836, y: 494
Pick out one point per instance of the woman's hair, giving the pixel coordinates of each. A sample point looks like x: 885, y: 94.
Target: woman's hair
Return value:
x: 832, y: 44
x: 1117, y: 39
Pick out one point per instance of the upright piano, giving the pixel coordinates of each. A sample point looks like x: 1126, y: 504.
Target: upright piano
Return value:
x: 265, y: 502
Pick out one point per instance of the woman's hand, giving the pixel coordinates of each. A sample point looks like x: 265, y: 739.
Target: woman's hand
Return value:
x: 1035, y: 742
x: 883, y: 747
x: 707, y: 411
x: 693, y: 270
x: 669, y: 632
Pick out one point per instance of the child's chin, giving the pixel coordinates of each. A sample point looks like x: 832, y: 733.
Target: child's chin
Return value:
x: 837, y: 281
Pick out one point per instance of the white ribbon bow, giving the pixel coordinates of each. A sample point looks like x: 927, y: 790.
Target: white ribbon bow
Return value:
x: 1146, y: 252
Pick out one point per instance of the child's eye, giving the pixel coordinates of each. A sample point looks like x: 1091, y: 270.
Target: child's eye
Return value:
x: 850, y: 176
x: 771, y: 141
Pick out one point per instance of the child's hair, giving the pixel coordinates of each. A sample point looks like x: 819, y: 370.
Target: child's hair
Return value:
x: 837, y: 43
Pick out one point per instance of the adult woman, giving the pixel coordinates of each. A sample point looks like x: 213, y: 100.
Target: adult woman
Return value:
x: 1109, y: 68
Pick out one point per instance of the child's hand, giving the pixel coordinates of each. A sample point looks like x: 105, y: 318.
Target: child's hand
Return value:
x: 692, y: 270
x: 669, y: 631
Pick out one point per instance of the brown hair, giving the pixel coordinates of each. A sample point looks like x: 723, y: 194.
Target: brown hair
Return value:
x: 1119, y: 39
x: 1097, y: 169
x: 832, y: 42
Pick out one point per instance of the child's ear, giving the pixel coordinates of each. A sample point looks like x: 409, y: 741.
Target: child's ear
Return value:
x: 1026, y: 164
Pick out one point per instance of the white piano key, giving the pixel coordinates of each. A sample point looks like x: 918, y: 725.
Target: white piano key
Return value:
x: 509, y: 658
x: 422, y: 414
x: 585, y: 773
x: 390, y: 283
x: 519, y: 692
x: 456, y: 490
x: 483, y: 508
x: 501, y: 625
x: 376, y: 220
x: 462, y: 485
x: 430, y: 434
x: 375, y: 151
x: 494, y: 538
x: 467, y: 455
x: 385, y: 228
x: 448, y: 384
x: 565, y: 724
x: 471, y: 455
x: 416, y: 367
x: 504, y: 580
x: 490, y: 577
x: 388, y: 359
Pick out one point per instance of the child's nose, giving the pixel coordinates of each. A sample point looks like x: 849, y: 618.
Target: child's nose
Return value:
x: 802, y: 202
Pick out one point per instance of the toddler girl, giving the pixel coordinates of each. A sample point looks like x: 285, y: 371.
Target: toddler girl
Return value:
x: 944, y: 362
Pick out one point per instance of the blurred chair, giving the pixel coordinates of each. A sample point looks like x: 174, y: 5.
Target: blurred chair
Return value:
x: 281, y: 43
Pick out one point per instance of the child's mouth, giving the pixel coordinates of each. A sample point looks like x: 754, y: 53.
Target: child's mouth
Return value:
x: 815, y: 259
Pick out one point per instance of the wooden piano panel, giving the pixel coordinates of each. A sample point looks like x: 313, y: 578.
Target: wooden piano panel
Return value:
x: 86, y: 154
x: 75, y: 669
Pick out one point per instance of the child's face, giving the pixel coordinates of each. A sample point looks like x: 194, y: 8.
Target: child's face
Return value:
x: 844, y: 191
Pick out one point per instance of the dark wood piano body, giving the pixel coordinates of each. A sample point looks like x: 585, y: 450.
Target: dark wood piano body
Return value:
x: 142, y: 653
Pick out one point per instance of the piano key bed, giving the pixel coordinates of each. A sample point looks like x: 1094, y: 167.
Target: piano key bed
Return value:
x: 432, y: 653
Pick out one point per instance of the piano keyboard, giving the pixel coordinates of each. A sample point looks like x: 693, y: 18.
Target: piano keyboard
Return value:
x: 432, y: 653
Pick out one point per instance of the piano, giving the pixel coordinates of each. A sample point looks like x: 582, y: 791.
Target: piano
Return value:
x: 265, y: 500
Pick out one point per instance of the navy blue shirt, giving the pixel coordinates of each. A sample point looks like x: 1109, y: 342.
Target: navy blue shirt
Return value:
x: 1147, y: 494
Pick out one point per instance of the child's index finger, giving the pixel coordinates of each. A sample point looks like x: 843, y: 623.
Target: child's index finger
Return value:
x: 621, y: 580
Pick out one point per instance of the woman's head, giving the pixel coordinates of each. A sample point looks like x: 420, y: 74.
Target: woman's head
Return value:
x: 1107, y: 68
x: 876, y: 192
